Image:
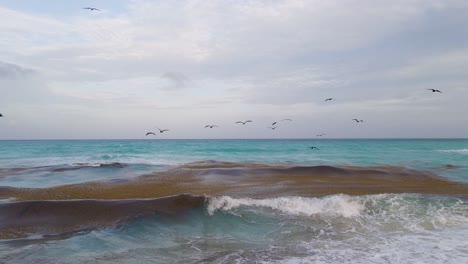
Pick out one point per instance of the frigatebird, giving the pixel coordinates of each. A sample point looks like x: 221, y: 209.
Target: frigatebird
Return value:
x: 272, y: 127
x: 150, y: 133
x: 211, y: 126
x: 358, y: 120
x: 91, y: 8
x: 435, y: 90
x: 328, y: 99
x: 247, y: 121
x: 1, y: 115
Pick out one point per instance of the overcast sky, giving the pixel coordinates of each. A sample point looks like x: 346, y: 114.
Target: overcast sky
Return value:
x: 70, y: 73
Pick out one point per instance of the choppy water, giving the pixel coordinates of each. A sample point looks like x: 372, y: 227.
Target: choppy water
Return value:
x: 337, y: 228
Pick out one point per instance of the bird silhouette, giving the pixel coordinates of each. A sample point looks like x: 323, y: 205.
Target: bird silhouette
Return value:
x: 272, y: 127
x: 358, y: 120
x: 211, y: 126
x: 150, y: 133
x: 1, y: 115
x: 245, y: 122
x: 162, y: 130
x: 274, y: 123
x: 91, y: 8
x: 435, y: 90
x: 328, y: 99
x: 314, y: 148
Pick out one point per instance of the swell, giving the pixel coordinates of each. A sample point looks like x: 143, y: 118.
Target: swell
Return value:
x: 56, y: 218
x: 5, y: 172
x: 251, y: 180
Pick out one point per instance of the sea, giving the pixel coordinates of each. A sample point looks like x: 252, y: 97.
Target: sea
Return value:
x: 234, y: 201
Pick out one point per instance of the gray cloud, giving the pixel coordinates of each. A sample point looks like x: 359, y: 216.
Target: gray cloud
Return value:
x: 178, y: 80
x: 13, y: 71
x: 258, y: 58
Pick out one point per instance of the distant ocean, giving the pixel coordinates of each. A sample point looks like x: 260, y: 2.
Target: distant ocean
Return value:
x: 234, y: 201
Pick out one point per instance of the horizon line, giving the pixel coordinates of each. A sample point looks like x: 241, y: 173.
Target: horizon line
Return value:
x: 319, y: 138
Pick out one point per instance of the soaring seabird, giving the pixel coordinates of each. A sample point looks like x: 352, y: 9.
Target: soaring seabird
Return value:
x: 358, y: 120
x: 435, y: 90
x: 274, y: 123
x: 272, y: 127
x: 91, y: 8
x: 247, y: 121
x: 162, y: 130
x: 211, y: 126
x: 150, y: 133
x: 328, y: 99
x: 1, y: 115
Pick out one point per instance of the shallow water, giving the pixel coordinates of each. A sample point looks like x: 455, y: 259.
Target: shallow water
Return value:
x: 406, y: 201
x: 403, y: 228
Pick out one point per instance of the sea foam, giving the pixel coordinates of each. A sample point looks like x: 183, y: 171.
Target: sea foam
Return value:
x: 335, y: 205
x: 458, y: 151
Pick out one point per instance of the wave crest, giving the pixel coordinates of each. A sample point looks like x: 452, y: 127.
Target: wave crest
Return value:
x: 458, y: 151
x: 334, y: 205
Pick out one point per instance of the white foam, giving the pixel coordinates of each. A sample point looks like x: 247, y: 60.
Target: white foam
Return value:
x: 335, y: 205
x: 7, y: 200
x: 459, y: 151
x: 98, y: 159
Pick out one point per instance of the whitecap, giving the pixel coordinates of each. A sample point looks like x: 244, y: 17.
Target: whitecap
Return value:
x: 335, y: 205
x: 458, y: 151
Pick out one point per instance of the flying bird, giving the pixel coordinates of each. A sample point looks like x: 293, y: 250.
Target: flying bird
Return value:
x: 245, y: 122
x: 328, y: 99
x: 150, y: 133
x: 272, y: 127
x: 1, y: 115
x: 91, y: 8
x: 274, y: 123
x: 162, y: 130
x: 358, y: 120
x: 314, y: 148
x: 435, y: 90
x: 211, y: 126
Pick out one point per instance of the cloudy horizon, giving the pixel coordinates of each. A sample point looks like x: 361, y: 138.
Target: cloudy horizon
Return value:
x: 71, y: 73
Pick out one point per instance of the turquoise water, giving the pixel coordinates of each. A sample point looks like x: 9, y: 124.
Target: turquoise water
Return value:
x: 144, y: 156
x: 383, y: 228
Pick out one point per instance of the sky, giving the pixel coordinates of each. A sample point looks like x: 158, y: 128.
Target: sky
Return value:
x: 71, y: 73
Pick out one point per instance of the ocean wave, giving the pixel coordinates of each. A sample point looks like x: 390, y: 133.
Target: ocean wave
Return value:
x: 458, y: 151
x: 55, y: 218
x: 335, y: 213
x: 412, y: 212
x: 378, y: 228
x: 238, y: 180
x: 142, y: 159
x: 61, y: 168
x: 335, y: 205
